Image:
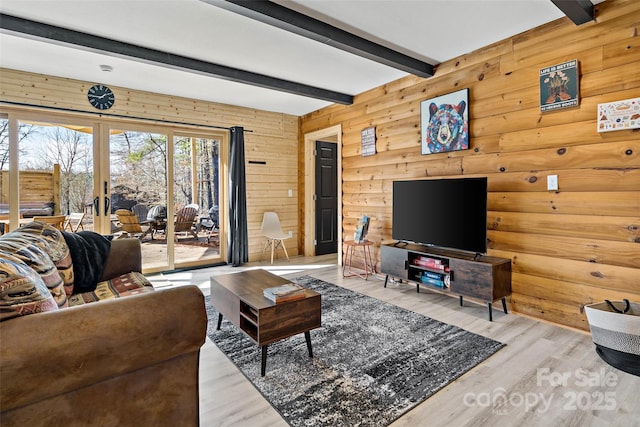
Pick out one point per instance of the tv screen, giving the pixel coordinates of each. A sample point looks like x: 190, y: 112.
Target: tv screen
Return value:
x: 449, y: 213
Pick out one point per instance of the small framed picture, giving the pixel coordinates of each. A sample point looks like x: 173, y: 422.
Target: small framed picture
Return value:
x: 368, y: 139
x: 619, y: 115
x: 444, y: 122
x: 559, y: 86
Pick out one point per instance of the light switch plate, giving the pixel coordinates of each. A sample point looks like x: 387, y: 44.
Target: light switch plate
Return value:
x: 552, y: 182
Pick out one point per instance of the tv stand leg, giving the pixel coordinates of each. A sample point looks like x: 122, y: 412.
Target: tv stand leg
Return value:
x: 386, y: 279
x: 490, y: 312
x: 504, y: 305
x: 461, y: 305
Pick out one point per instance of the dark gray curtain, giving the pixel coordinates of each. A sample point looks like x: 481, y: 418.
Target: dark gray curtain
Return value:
x: 238, y: 239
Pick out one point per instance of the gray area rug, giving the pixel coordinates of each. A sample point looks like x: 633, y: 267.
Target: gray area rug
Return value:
x: 372, y: 361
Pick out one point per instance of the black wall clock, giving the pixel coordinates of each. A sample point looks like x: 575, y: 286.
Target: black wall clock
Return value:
x: 101, y: 97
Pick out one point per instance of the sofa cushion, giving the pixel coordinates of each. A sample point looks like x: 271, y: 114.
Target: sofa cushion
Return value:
x: 50, y: 239
x: 128, y: 284
x: 22, y: 291
x: 14, y: 245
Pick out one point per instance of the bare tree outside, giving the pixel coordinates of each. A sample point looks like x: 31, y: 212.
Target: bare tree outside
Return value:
x: 40, y: 147
x: 208, y: 152
x: 72, y: 150
x: 139, y: 167
x: 24, y: 130
x: 182, y: 172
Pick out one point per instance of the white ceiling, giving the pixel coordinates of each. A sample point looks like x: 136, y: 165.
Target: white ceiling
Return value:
x: 431, y: 30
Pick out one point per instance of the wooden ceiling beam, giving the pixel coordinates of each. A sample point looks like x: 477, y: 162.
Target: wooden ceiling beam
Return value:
x: 579, y: 11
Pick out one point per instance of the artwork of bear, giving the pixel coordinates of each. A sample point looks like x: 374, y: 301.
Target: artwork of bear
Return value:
x: 447, y: 130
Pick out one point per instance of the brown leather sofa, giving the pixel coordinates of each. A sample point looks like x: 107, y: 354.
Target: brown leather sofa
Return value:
x: 131, y: 361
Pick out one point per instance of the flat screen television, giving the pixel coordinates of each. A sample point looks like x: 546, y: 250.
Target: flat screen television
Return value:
x: 448, y: 213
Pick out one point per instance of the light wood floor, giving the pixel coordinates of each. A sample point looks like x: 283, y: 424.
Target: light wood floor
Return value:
x: 545, y: 376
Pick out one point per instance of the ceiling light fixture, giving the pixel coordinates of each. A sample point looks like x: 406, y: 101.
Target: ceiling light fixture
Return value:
x: 106, y: 68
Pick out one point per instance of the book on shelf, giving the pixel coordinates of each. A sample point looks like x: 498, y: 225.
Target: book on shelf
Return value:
x: 433, y: 275
x: 440, y: 280
x: 429, y: 259
x: 285, y: 292
x: 435, y: 282
x: 424, y: 260
x: 432, y: 264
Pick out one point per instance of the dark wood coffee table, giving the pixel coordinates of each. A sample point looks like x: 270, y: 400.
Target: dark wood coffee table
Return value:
x: 239, y: 297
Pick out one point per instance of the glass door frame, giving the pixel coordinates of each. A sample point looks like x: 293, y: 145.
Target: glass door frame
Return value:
x: 102, y: 223
x: 14, y: 188
x: 102, y: 182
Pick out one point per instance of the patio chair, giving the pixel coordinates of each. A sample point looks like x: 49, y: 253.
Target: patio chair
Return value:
x: 272, y: 230
x: 74, y: 222
x: 56, y: 220
x: 130, y: 223
x: 184, y: 223
x: 141, y: 212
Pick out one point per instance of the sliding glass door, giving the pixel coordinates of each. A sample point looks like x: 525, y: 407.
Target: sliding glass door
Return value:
x: 172, y: 181
x: 172, y: 184
x: 196, y: 199
x: 138, y: 183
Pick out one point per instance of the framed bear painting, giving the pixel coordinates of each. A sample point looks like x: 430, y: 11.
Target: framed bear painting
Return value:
x: 444, y: 123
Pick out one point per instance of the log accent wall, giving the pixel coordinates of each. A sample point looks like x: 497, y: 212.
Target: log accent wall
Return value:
x: 273, y: 139
x: 568, y: 248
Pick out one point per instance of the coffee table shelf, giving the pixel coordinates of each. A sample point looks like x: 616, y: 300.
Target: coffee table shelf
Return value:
x: 249, y: 321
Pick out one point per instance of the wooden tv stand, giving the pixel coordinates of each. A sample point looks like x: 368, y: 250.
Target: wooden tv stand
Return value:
x: 483, y: 278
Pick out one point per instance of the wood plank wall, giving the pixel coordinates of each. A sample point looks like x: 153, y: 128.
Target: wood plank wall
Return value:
x: 38, y: 187
x: 273, y: 139
x: 569, y: 247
